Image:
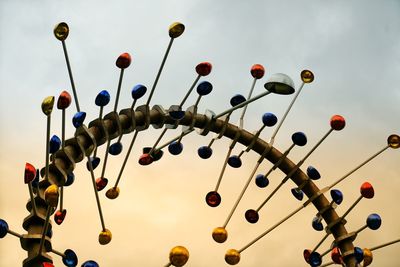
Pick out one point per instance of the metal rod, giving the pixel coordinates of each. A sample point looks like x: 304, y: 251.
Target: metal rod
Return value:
x: 385, y: 244
x: 96, y: 194
x: 241, y: 194
x: 126, y: 158
x: 61, y: 198
x: 272, y: 228
x: 159, y: 71
x: 32, y: 198
x: 351, y: 207
x: 70, y: 76
x: 272, y: 139
x: 121, y: 75
x: 58, y: 253
x: 47, y: 146
x: 241, y: 119
x: 45, y: 228
x: 63, y: 130
x: 14, y: 233
x: 189, y: 92
x: 158, y: 140
x: 358, y: 167
x: 223, y: 168
x: 321, y: 241
x: 279, y: 162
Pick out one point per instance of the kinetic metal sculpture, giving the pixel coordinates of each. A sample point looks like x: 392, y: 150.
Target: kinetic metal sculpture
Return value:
x: 46, y: 185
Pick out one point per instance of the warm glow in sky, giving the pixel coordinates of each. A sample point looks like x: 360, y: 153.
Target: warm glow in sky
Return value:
x: 351, y: 46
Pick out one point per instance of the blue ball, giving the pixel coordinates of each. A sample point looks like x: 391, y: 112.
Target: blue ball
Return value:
x: 70, y: 259
x: 317, y: 225
x: 313, y: 173
x: 337, y: 196
x: 269, y: 119
x: 358, y: 254
x: 95, y: 162
x: 237, y: 99
x: 138, y: 91
x: 298, y: 194
x: 54, y: 144
x: 204, y: 152
x: 299, y: 139
x: 374, y: 221
x: 175, y: 148
x: 115, y: 149
x: 315, y: 259
x: 234, y: 162
x: 3, y: 228
x: 204, y: 88
x: 78, y: 119
x: 102, y: 99
x: 262, y: 181
x: 90, y: 263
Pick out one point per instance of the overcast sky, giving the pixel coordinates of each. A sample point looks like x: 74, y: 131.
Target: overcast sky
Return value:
x: 351, y: 46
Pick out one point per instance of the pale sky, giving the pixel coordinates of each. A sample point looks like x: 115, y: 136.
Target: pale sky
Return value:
x: 351, y: 46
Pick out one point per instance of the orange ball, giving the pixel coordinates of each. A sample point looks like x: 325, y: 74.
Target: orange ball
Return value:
x: 307, y: 76
x: 337, y: 122
x: 220, y: 234
x: 394, y: 141
x: 257, y: 71
x: 105, y: 237
x: 232, y: 257
x: 112, y: 193
x: 178, y: 256
x: 123, y: 61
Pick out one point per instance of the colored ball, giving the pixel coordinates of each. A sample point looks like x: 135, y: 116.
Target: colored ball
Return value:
x: 30, y: 173
x: 203, y: 68
x: 358, y: 254
x: 269, y: 119
x: 204, y: 88
x: 306, y: 255
x: 64, y: 100
x: 47, y: 105
x: 138, y: 91
x: 70, y: 259
x: 175, y: 148
x: 299, y: 139
x: 51, y: 195
x: 204, y: 152
x: 394, y: 141
x: 112, y: 193
x: 235, y: 161
x: 95, y: 162
x: 115, y: 149
x: 178, y: 256
x: 90, y: 263
x: 368, y: 257
x: 251, y: 216
x: 47, y: 264
x: 61, y: 31
x: 145, y: 159
x: 176, y: 29
x: 101, y: 183
x: 59, y: 216
x: 297, y: 193
x: 220, y: 235
x: 315, y: 259
x: 336, y: 256
x: 262, y: 181
x: 337, y: 122
x: 123, y: 61
x: 213, y: 199
x: 307, y: 76
x: 78, y: 119
x: 367, y: 190
x: 237, y: 99
x: 105, y: 237
x: 374, y: 221
x: 102, y: 98
x: 3, y: 228
x: 232, y: 257
x: 257, y: 71
x: 337, y: 196
x: 70, y: 179
x: 54, y: 144
x: 313, y: 173
x: 317, y: 224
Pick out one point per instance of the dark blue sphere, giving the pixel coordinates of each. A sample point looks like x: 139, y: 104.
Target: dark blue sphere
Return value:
x: 298, y: 194
x: 54, y: 144
x: 78, y: 119
x: 204, y: 88
x: 313, y: 173
x: 299, y: 139
x: 90, y: 263
x: 374, y: 221
x: 102, y: 99
x: 204, y: 152
x: 175, y: 148
x: 3, y: 228
x: 262, y: 181
x: 177, y: 114
x: 269, y: 119
x: 138, y: 91
x: 358, y: 254
x: 70, y: 259
x: 115, y: 149
x: 234, y: 162
x: 237, y: 99
x: 315, y: 259
x: 337, y: 196
x: 95, y: 162
x: 317, y: 224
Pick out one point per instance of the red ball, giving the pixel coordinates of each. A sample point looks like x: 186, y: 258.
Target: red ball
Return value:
x: 59, y: 216
x: 64, y: 100
x: 123, y: 61
x: 145, y: 159
x: 336, y: 256
x: 306, y: 255
x: 367, y: 190
x: 337, y: 122
x: 30, y: 173
x: 203, y: 68
x: 257, y: 71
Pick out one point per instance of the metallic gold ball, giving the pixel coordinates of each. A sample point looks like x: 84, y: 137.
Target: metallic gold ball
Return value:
x: 61, y: 31
x: 220, y: 234
x: 112, y: 193
x: 176, y: 29
x: 105, y: 237
x: 368, y: 257
x: 307, y: 76
x: 394, y: 141
x: 51, y: 195
x: 232, y: 257
x: 47, y: 105
x: 178, y: 256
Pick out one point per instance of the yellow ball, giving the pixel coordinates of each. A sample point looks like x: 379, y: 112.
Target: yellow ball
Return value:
x: 232, y: 257
x: 368, y: 257
x: 394, y: 141
x: 112, y: 193
x: 176, y: 29
x: 220, y: 234
x: 61, y: 31
x: 47, y: 105
x: 307, y: 76
x: 178, y: 256
x: 51, y: 195
x: 105, y: 237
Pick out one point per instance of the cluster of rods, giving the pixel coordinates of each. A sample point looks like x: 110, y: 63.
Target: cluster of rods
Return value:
x: 278, y: 83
